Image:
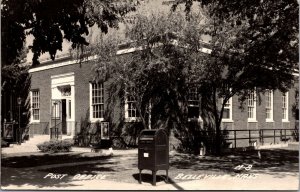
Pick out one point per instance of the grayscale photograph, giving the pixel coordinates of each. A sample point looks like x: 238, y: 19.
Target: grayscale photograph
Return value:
x: 149, y: 95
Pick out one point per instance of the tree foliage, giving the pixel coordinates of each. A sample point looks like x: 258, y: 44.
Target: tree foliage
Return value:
x: 254, y: 47
x: 49, y: 22
x: 157, y: 74
x: 15, y: 82
x: 168, y: 62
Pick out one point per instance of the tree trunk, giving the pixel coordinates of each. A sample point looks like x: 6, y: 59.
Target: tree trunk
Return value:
x: 218, y: 137
x: 211, y: 117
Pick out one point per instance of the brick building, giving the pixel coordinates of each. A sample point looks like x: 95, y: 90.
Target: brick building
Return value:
x: 63, y: 93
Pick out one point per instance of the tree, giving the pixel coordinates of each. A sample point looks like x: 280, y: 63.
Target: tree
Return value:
x: 15, y: 83
x: 254, y: 47
x: 158, y: 73
x: 51, y: 21
x: 168, y: 63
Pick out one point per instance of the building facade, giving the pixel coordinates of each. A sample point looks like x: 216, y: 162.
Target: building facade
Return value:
x: 63, y: 93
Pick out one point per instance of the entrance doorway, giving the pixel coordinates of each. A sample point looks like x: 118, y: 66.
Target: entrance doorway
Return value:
x: 64, y: 116
x: 63, y: 91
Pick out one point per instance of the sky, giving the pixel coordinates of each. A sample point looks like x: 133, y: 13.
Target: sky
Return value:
x: 149, y: 6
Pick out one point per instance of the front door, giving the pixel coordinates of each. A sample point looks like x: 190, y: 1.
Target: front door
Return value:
x: 64, y: 116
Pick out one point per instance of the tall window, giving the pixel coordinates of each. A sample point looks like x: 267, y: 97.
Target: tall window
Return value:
x: 193, y: 103
x: 35, y: 105
x: 269, y: 105
x: 227, y: 113
x: 97, y: 101
x: 130, y: 104
x: 285, y: 104
x: 251, y: 106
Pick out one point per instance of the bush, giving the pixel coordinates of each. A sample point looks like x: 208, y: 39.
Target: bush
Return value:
x: 131, y: 133
x: 118, y: 143
x: 194, y: 137
x: 296, y: 134
x: 55, y: 146
x: 4, y: 143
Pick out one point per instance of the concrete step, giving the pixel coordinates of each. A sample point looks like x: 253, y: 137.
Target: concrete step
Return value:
x: 37, y: 139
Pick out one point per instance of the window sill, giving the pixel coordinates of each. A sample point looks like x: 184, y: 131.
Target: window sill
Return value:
x: 285, y: 121
x: 252, y: 121
x: 227, y: 121
x: 132, y: 119
x: 95, y: 120
x: 34, y: 121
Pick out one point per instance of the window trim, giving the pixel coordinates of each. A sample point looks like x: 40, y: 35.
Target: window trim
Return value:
x: 287, y: 107
x: 230, y: 119
x: 271, y: 119
x: 32, y: 120
x: 126, y: 108
x: 92, y: 119
x: 199, y: 118
x: 252, y: 120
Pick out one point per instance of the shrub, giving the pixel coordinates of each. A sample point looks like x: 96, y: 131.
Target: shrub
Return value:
x: 296, y: 134
x: 194, y: 137
x: 4, y: 143
x: 118, y: 143
x: 55, y: 146
x: 131, y: 133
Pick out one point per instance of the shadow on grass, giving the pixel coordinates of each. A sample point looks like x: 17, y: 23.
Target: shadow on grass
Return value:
x: 272, y: 161
x: 47, y: 159
x: 94, y: 168
x: 24, y: 170
x: 23, y: 177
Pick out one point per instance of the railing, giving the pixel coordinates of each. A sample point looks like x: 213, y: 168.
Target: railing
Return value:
x: 56, y: 131
x: 260, y: 135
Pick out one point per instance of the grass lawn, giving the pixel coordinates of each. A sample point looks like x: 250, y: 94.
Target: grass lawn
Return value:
x: 32, y: 168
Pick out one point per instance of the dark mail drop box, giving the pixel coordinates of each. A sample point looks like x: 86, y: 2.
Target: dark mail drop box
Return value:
x: 153, y: 151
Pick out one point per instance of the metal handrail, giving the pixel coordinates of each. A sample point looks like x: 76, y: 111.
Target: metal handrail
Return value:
x: 254, y: 135
x: 261, y: 135
x: 57, y: 131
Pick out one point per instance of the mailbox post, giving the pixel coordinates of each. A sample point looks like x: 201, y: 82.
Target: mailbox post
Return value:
x: 153, y: 152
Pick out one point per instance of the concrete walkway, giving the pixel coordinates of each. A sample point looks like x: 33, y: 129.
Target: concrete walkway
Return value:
x: 261, y: 182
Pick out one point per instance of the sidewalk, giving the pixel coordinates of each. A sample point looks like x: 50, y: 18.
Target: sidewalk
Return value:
x: 262, y: 182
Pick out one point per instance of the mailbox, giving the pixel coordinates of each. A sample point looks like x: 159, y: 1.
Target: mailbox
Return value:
x: 153, y: 152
